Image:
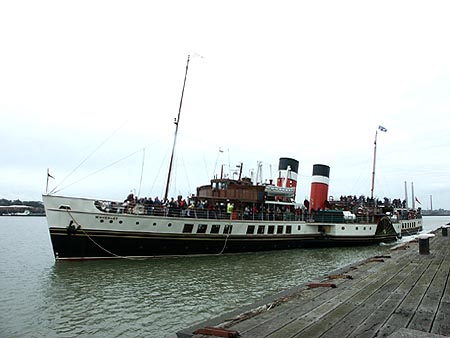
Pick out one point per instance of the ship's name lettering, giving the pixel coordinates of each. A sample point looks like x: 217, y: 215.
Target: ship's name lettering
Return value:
x: 106, y: 217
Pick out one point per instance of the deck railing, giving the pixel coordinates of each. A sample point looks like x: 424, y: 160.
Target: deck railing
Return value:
x: 220, y: 214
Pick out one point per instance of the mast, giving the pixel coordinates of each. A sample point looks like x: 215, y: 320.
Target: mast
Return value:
x: 177, y: 121
x: 383, y: 129
x: 374, y: 160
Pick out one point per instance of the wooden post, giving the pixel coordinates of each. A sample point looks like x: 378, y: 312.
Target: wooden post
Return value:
x: 424, y: 243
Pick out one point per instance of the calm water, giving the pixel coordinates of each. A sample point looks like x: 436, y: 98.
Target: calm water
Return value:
x: 154, y: 298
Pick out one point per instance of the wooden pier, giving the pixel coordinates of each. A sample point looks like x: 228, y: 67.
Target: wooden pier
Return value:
x: 405, y: 294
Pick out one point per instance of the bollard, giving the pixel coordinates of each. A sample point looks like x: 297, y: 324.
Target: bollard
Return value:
x: 424, y: 243
x: 445, y: 230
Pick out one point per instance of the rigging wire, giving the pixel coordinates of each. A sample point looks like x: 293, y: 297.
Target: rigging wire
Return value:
x: 97, y: 171
x: 142, y: 172
x: 187, y: 176
x: 157, y: 176
x: 55, y: 189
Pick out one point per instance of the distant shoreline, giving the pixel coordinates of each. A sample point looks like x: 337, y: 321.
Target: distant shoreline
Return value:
x: 435, y: 212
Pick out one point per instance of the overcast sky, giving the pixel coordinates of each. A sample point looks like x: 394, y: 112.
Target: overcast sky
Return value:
x: 90, y: 89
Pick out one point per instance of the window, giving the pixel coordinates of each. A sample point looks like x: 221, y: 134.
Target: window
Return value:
x: 215, y: 228
x: 261, y: 229
x: 271, y: 229
x: 188, y: 228
x: 227, y: 229
x: 288, y: 229
x: 250, y: 230
x: 202, y: 228
x: 279, y: 229
x: 299, y: 227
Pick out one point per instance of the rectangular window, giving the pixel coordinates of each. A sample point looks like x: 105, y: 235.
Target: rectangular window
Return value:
x: 271, y: 229
x: 227, y: 229
x: 215, y: 228
x: 188, y: 228
x: 261, y: 229
x: 279, y: 229
x: 202, y: 228
x: 250, y: 230
x: 288, y: 229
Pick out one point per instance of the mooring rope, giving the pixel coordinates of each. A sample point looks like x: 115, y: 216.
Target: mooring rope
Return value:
x: 225, y: 244
x: 79, y: 227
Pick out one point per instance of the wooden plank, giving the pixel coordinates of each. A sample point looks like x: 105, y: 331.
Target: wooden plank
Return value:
x: 373, y: 321
x: 308, y: 300
x: 394, y: 290
x: 425, y: 313
x: 340, y: 304
x: 404, y: 313
x: 441, y: 322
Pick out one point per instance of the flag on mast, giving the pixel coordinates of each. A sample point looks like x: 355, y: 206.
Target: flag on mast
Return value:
x: 417, y: 200
x: 382, y: 128
x: 48, y: 176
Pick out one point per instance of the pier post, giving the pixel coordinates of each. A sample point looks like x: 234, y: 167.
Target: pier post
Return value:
x: 445, y: 230
x: 424, y: 243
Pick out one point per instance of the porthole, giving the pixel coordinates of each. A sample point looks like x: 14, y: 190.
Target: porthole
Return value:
x: 137, y: 223
x: 154, y: 224
x: 110, y: 221
x: 343, y: 228
x: 169, y: 225
x: 101, y: 221
x: 356, y: 228
x: 120, y: 222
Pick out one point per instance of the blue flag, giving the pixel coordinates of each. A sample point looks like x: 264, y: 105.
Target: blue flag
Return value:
x: 382, y: 128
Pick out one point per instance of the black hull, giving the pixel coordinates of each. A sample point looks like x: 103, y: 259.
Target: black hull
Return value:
x: 91, y: 245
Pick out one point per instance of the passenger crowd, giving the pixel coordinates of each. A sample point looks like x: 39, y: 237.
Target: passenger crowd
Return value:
x: 193, y: 207
x: 367, y: 201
